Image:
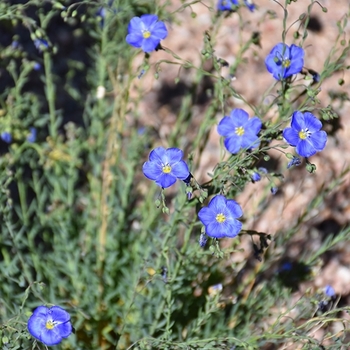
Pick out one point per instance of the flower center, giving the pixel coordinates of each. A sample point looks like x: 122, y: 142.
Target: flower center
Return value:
x: 50, y: 324
x: 166, y: 169
x: 239, y: 131
x: 304, y: 134
x: 220, y: 218
x: 286, y: 63
x: 146, y: 34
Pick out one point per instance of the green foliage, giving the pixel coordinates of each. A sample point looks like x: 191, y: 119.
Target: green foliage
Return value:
x: 82, y: 228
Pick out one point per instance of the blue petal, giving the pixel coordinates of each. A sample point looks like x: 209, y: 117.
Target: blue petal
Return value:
x: 159, y: 155
x: 226, y: 127
x: 135, y: 26
x: 218, y: 204
x: 59, y: 314
x: 152, y: 170
x: 298, y: 121
x: 233, y: 144
x: 149, y: 20
x: 150, y: 44
x: 216, y: 230
x: 250, y: 140
x: 291, y: 136
x: 305, y: 148
x: 165, y: 180
x: 134, y: 39
x: 311, y: 122
x: 234, y: 208
x: 250, y: 5
x: 174, y: 155
x: 159, y: 30
x: 256, y: 177
x: 180, y: 170
x: 37, y: 322
x: 50, y: 337
x: 295, y: 67
x: 64, y: 329
x: 329, y: 291
x: 240, y: 117
x: 6, y: 137
x: 319, y: 140
x: 233, y: 228
x: 207, y: 215
x: 296, y: 52
x: 280, y: 51
x: 254, y: 125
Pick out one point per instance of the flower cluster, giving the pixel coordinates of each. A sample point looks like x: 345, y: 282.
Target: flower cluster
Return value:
x: 166, y: 166
x: 50, y: 325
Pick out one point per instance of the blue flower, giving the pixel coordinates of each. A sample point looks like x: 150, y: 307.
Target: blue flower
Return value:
x: 305, y: 134
x: 239, y: 130
x: 32, y: 135
x: 146, y: 32
x: 41, y: 44
x: 219, y: 217
x: 329, y: 291
x: 274, y: 190
x: 227, y: 5
x: 36, y: 66
x: 6, y: 137
x: 295, y: 161
x: 284, y: 61
x: 102, y: 12
x: 165, y: 166
x: 202, y: 240
x: 50, y: 325
x: 250, y: 5
x: 256, y: 177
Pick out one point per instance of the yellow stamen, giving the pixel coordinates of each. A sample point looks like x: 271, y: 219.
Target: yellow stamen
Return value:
x: 239, y: 131
x: 146, y: 34
x: 303, y: 134
x: 50, y: 324
x: 286, y: 63
x: 220, y: 218
x: 166, y: 169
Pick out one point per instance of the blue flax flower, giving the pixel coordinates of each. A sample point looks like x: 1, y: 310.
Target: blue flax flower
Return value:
x: 256, y: 177
x: 273, y: 190
x: 329, y: 291
x: 41, y: 44
x: 239, y: 130
x: 295, y: 161
x: 284, y: 61
x: 50, y: 325
x: 227, y: 5
x: 165, y: 166
x: 250, y: 5
x: 305, y: 134
x: 146, y: 32
x: 6, y: 137
x: 220, y: 217
x: 32, y: 135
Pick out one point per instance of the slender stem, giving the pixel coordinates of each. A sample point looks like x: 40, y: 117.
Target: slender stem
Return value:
x: 50, y: 94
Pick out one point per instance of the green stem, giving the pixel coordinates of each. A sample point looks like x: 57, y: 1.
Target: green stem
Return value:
x: 50, y: 94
